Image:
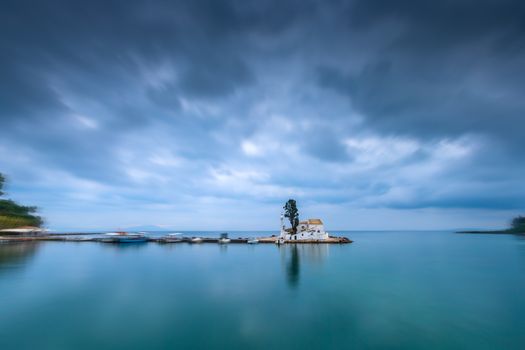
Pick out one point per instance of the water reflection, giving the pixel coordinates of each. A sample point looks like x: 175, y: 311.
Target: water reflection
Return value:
x: 520, y: 240
x: 293, y: 267
x: 124, y: 246
x: 293, y: 255
x: 15, y: 255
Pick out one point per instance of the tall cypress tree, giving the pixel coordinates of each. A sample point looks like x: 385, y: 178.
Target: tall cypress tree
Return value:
x: 291, y: 212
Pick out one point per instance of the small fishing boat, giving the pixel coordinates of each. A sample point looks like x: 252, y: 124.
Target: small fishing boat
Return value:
x: 252, y: 241
x: 196, y: 240
x: 172, y: 238
x: 224, y: 239
x: 124, y: 237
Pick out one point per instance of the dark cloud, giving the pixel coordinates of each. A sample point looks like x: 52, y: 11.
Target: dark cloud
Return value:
x: 24, y: 94
x: 324, y: 144
x: 102, y: 41
x: 95, y: 52
x: 452, y: 68
x: 165, y: 96
x: 221, y: 79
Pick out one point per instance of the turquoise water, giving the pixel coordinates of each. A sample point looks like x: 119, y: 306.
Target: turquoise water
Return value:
x: 396, y: 290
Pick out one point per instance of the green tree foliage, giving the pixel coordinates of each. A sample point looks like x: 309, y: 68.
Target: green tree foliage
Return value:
x: 291, y: 212
x: 518, y: 224
x: 15, y: 215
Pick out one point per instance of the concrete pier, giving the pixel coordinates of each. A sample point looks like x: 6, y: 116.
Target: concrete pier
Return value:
x: 167, y: 240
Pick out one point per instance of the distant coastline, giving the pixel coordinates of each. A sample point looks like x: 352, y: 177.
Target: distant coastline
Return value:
x: 493, y: 232
x: 517, y: 227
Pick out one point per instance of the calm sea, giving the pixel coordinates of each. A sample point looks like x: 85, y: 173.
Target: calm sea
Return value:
x: 395, y: 290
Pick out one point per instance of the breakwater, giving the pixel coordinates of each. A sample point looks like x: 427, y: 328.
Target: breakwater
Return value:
x: 166, y: 239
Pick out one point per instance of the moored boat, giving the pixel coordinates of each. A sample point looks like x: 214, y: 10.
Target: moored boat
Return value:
x: 172, y: 238
x: 124, y: 237
x: 224, y: 239
x: 252, y: 241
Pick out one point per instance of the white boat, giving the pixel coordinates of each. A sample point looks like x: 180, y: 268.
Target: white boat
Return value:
x: 172, y: 238
x: 224, y: 238
x: 24, y: 231
x: 252, y: 241
x: 196, y: 240
x: 124, y: 237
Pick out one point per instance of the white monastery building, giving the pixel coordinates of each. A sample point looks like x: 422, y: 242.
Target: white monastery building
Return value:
x: 311, y: 229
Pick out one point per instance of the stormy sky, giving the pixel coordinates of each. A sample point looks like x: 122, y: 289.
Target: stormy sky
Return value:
x: 211, y: 114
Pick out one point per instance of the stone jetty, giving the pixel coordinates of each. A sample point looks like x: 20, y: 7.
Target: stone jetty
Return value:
x: 86, y: 237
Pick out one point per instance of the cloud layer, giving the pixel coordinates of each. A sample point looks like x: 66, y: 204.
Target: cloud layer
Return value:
x: 210, y: 114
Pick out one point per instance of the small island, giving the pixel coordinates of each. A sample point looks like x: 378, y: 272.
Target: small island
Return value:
x: 306, y: 231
